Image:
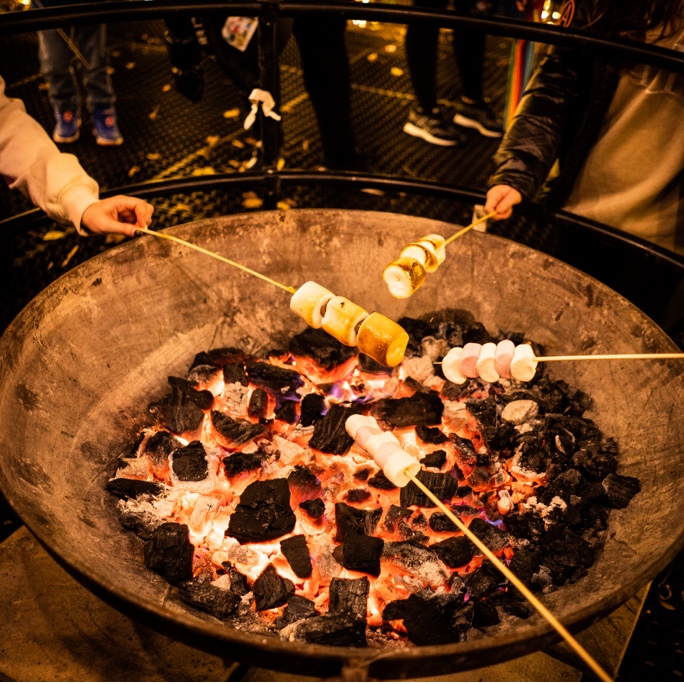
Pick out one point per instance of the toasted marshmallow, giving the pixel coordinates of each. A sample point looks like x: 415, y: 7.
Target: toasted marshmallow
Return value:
x: 523, y: 364
x: 432, y: 262
x: 382, y: 339
x: 416, y: 252
x: 451, y: 366
x: 309, y: 302
x: 504, y: 356
x: 404, y: 276
x: 469, y: 359
x: 439, y: 244
x: 342, y: 319
x: 486, y: 364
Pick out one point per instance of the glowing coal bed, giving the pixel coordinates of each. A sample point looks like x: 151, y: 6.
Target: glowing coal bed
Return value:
x: 261, y: 512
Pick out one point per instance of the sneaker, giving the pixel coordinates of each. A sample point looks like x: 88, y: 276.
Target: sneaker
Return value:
x: 67, y: 127
x: 433, y: 127
x: 480, y: 117
x: 105, y: 130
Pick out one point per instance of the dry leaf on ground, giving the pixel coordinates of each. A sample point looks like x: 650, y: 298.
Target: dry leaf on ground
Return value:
x: 231, y: 113
x: 54, y: 235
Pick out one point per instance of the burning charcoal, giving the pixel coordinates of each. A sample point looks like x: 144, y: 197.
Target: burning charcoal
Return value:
x: 238, y: 581
x: 368, y: 365
x: 314, y: 508
x: 297, y: 608
x: 407, y: 533
x: 217, y: 357
x: 180, y: 413
x: 278, y: 380
x: 169, y: 552
x: 454, y: 551
x: 357, y: 495
x: 360, y: 552
x: 271, y: 590
x: 464, y: 448
x: 159, y: 447
x: 237, y: 431
x: 379, y: 481
x: 258, y: 403
x: 567, y: 483
x: 349, y: 596
x: 620, y: 489
x: 126, y: 488
x: 302, y: 478
x: 202, y: 373
x: 235, y: 372
x: 436, y: 459
x: 362, y: 474
x: 213, y: 600
x: 426, y: 622
x: 423, y: 563
x: 479, y: 478
x: 297, y: 553
x: 441, y: 484
x: 332, y: 629
x: 490, y: 535
x: 481, y: 582
x: 330, y: 435
x: 312, y: 409
x: 594, y: 466
x: 316, y: 344
x: 394, y: 515
x: 287, y: 411
x: 420, y: 409
x: 263, y: 512
x: 440, y: 523
x: 463, y: 491
x: 355, y: 521
x: 485, y: 614
x: 241, y: 463
x: 189, y: 463
x: 203, y: 399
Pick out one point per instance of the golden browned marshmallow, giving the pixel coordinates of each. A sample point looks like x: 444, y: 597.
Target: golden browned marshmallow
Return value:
x: 383, y: 340
x: 404, y: 276
x: 342, y: 319
x: 432, y: 262
x: 309, y: 302
x: 416, y: 252
x: 439, y: 244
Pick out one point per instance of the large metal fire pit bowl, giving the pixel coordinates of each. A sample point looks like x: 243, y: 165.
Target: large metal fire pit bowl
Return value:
x: 80, y: 364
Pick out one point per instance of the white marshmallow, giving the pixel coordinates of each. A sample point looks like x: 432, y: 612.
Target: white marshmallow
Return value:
x: 309, y: 301
x: 395, y: 468
x: 523, y: 364
x: 471, y: 354
x: 432, y: 262
x: 504, y: 356
x: 342, y: 318
x: 416, y: 252
x: 486, y: 363
x: 440, y: 246
x: 356, y: 421
x: 451, y: 366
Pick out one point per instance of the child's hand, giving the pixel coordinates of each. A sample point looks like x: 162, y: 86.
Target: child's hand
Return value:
x: 120, y: 214
x: 501, y: 199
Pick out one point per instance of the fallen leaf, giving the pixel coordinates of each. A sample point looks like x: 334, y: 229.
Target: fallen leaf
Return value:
x: 234, y: 163
x: 114, y: 238
x: 390, y: 48
x: 252, y: 203
x: 54, y: 235
x: 373, y: 57
x: 203, y: 171
x: 153, y: 114
x: 212, y: 139
x: 130, y: 65
x: 231, y: 113
x: 249, y: 193
x: 44, y: 86
x: 115, y: 53
x: 69, y: 256
x: 305, y: 145
x: 153, y: 156
x: 166, y: 87
x: 396, y: 71
x: 283, y: 206
x: 237, y: 143
x: 111, y: 70
x: 281, y: 163
x: 133, y: 170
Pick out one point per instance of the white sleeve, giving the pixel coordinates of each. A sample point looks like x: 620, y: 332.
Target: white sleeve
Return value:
x: 32, y: 163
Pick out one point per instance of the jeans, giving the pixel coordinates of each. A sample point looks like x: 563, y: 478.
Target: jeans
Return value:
x: 56, y: 59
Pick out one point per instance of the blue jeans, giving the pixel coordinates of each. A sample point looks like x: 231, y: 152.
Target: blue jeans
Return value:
x: 56, y: 59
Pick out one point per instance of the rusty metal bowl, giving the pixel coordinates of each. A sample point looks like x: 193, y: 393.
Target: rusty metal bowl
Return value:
x: 80, y: 363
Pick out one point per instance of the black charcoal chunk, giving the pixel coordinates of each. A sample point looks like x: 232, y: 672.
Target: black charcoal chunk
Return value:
x: 237, y: 463
x: 330, y: 434
x: 202, y: 373
x: 479, y: 478
x: 349, y: 596
x: 620, y: 489
x: 312, y: 409
x: 159, y: 446
x: 483, y: 410
x: 126, y: 488
x: 482, y: 582
x: 258, y: 403
x: 297, y: 608
x: 379, y: 481
x: 594, y: 465
x: 492, y: 537
x: 362, y: 474
x: 361, y: 553
x: 314, y: 508
x: 332, y: 629
x: 454, y: 551
x: 297, y: 553
x: 316, y: 344
x: 237, y: 431
x: 427, y: 622
x: 263, y: 512
x: 439, y: 522
x: 431, y: 435
x: 271, y: 590
x: 217, y: 357
x: 203, y: 399
x: 275, y: 378
x: 180, y: 413
x: 436, y: 459
x: 396, y: 514
x: 238, y: 582
x: 235, y: 373
x: 485, y: 614
x: 368, y: 365
x: 525, y: 564
x: 355, y: 521
x: 567, y: 483
x: 420, y: 409
x: 170, y: 553
x: 514, y: 607
x: 358, y: 495
x: 465, y: 452
x: 410, y: 555
x: 287, y: 411
x: 442, y: 485
x: 203, y: 595
x: 302, y: 479
x: 189, y: 463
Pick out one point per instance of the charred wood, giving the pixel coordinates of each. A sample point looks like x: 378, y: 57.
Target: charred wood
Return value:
x: 296, y: 552
x: 355, y: 521
x: 420, y: 409
x: 271, y: 590
x: 218, y: 602
x: 361, y: 553
x: 349, y: 596
x: 441, y: 484
x: 330, y: 434
x: 189, y: 463
x: 170, y: 553
x: 236, y: 431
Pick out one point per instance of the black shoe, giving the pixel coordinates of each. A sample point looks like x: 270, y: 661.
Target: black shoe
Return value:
x: 480, y: 117
x: 433, y: 127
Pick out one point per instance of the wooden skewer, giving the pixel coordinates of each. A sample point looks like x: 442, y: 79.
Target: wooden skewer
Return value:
x: 180, y: 241
x: 463, y: 231
x: 609, y: 357
x: 513, y: 579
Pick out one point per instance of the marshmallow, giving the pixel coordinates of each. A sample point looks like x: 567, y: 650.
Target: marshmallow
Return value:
x: 382, y: 339
x: 342, y: 319
x: 309, y: 302
x: 403, y: 277
x: 357, y: 421
x: 439, y: 244
x: 451, y: 366
x: 523, y: 364
x: 396, y: 466
x: 414, y: 251
x: 471, y: 354
x: 431, y: 262
x: 486, y: 363
x: 504, y: 356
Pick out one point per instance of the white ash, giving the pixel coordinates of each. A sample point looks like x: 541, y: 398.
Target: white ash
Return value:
x: 290, y: 452
x: 327, y: 566
x: 411, y: 583
x: 517, y: 469
x: 524, y: 428
x: 455, y: 413
x: 434, y: 348
x: 543, y: 579
x: 520, y: 411
x: 135, y: 468
x: 237, y: 554
x: 222, y: 582
x: 236, y: 397
x: 149, y: 511
x: 419, y: 368
x: 203, y: 515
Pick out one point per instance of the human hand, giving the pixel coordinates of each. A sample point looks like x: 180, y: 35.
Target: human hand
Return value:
x: 501, y: 199
x: 119, y: 214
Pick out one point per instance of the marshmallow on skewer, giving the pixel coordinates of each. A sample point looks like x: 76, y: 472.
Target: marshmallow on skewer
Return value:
x: 431, y: 261
x: 382, y: 339
x: 523, y: 364
x: 504, y: 356
x: 439, y: 244
x: 469, y: 359
x: 342, y: 319
x: 404, y: 276
x: 451, y: 366
x: 414, y: 251
x: 486, y: 363
x: 384, y: 448
x: 309, y: 302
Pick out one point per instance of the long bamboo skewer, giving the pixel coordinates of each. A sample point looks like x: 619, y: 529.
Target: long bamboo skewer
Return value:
x: 173, y: 238
x: 610, y: 357
x: 463, y: 231
x: 513, y: 579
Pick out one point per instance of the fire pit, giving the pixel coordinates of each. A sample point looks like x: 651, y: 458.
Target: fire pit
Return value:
x: 82, y: 359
